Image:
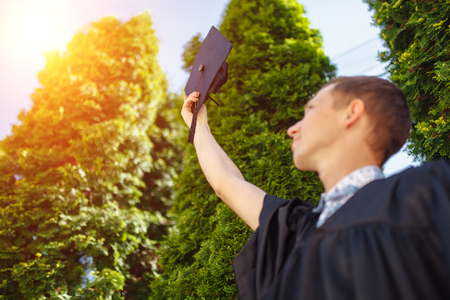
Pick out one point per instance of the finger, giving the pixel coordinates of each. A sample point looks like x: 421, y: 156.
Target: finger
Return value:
x: 193, y: 94
x: 185, y: 97
x: 189, y: 102
x: 193, y: 97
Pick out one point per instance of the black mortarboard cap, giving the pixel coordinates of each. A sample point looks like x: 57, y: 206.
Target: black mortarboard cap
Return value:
x: 209, y: 72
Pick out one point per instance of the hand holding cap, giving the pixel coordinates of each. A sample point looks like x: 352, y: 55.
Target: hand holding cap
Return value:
x: 209, y: 72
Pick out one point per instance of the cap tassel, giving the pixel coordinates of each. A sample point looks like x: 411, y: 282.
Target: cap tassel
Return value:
x: 193, y: 125
x: 209, y: 96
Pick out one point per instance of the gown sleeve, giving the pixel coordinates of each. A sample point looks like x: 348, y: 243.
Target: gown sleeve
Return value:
x: 264, y: 255
x: 440, y: 208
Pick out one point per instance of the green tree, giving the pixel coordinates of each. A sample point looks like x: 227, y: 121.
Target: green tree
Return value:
x: 81, y: 180
x: 417, y: 35
x: 190, y: 51
x: 276, y: 65
x: 157, y: 193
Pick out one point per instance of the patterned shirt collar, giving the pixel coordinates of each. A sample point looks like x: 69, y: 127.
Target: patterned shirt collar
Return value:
x: 330, y: 202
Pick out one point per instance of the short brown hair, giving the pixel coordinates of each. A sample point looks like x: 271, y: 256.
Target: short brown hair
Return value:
x: 385, y: 105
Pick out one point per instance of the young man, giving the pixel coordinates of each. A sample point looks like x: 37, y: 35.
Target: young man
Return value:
x: 369, y: 237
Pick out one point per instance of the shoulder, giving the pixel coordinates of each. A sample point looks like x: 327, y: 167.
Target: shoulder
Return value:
x: 408, y: 199
x: 424, y: 187
x: 283, y: 212
x: 274, y: 204
x: 437, y: 171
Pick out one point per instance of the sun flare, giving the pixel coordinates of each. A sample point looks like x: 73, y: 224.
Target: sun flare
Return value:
x: 36, y: 31
x: 35, y: 27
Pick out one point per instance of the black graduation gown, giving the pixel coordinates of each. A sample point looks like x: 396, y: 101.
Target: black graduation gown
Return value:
x: 391, y: 240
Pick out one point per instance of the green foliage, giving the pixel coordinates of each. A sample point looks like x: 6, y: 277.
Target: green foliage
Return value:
x: 417, y: 35
x: 190, y: 50
x: 276, y: 64
x: 79, y: 177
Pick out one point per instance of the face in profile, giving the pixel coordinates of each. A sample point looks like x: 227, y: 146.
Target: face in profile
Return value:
x: 314, y: 136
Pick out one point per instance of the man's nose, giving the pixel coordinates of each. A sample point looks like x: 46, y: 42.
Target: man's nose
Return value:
x: 294, y: 129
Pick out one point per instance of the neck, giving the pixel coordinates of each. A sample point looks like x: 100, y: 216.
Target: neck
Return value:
x: 333, y: 169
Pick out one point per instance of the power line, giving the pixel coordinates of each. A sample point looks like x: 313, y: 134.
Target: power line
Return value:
x: 359, y: 46
x: 370, y: 68
x: 382, y: 74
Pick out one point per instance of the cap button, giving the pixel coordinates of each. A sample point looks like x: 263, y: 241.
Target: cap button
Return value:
x: 200, y: 68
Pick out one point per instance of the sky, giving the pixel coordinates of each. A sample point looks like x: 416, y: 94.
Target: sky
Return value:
x: 28, y: 28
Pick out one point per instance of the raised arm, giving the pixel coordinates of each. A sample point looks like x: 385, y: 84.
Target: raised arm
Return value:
x: 244, y: 198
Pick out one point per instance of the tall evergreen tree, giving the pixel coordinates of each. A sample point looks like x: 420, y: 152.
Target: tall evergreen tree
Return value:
x: 417, y: 35
x: 76, y: 217
x: 276, y: 65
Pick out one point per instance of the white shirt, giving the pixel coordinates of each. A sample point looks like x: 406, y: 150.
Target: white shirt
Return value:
x: 330, y: 202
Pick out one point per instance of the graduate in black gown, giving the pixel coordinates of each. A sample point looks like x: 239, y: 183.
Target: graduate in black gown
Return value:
x: 370, y: 237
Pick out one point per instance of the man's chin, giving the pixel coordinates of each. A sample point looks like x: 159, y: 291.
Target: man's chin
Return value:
x: 303, y: 165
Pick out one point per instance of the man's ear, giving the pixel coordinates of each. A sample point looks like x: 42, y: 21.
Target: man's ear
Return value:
x: 354, y: 112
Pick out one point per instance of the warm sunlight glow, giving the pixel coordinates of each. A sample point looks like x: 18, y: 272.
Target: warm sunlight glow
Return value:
x: 36, y: 31
x: 35, y: 27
